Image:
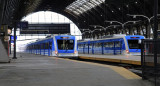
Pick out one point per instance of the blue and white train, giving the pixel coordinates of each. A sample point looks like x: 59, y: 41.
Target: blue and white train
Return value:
x: 116, y: 44
x: 60, y: 46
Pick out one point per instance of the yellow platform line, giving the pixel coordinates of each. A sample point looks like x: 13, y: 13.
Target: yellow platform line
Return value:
x: 112, y: 60
x: 125, y: 73
x: 120, y: 70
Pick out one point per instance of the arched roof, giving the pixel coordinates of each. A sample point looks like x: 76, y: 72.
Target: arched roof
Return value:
x: 82, y: 13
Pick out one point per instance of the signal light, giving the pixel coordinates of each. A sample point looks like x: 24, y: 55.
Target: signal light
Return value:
x: 134, y: 37
x: 64, y: 37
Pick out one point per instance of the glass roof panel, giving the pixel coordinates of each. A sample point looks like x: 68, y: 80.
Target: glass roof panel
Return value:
x: 81, y: 6
x: 82, y: 9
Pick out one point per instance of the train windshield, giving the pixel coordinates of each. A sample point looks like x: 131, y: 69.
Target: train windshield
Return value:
x: 133, y: 44
x: 65, y: 44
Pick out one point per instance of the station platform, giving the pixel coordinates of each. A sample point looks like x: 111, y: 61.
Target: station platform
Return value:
x: 36, y: 70
x: 126, y: 59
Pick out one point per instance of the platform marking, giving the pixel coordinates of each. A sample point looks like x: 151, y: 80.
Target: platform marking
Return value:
x: 120, y: 70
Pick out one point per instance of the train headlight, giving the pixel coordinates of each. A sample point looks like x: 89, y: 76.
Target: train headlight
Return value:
x: 127, y: 51
x: 56, y: 52
x: 75, y: 52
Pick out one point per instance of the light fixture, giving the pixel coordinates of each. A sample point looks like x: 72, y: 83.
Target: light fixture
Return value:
x: 134, y: 16
x: 127, y: 5
x: 9, y: 31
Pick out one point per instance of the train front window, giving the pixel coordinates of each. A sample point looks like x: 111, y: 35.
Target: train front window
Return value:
x: 65, y: 44
x: 133, y: 44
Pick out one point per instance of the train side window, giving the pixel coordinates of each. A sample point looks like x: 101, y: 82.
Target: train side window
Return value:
x: 111, y: 44
x: 98, y: 45
x: 42, y: 46
x: 35, y: 46
x: 39, y: 46
x: 46, y: 45
x: 106, y: 44
x: 86, y: 45
x: 90, y: 45
x: 32, y: 46
x: 117, y: 44
x: 80, y: 46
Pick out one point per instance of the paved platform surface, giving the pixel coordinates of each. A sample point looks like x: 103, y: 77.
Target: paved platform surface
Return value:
x: 129, y: 59
x: 36, y: 70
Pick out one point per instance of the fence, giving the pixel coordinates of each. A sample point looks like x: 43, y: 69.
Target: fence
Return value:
x: 150, y: 62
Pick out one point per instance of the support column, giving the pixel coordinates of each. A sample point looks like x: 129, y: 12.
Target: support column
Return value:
x: 147, y: 28
x: 10, y: 45
x: 15, y: 28
x: 155, y: 39
x: 2, y: 5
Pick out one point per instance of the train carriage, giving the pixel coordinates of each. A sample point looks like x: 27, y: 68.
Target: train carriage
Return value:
x: 116, y: 44
x: 60, y: 46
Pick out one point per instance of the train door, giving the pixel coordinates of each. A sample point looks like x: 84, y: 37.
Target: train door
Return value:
x: 46, y: 48
x: 80, y: 48
x: 41, y: 51
x: 93, y: 47
x: 117, y: 47
x: 50, y: 49
x: 38, y: 48
x: 102, y: 47
x: 90, y: 48
x: 86, y: 48
x: 98, y: 48
x: 108, y: 47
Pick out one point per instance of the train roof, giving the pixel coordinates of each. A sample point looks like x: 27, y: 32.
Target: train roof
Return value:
x: 114, y: 36
x: 48, y: 38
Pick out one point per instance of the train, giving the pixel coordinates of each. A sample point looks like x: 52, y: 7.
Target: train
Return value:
x: 58, y: 45
x: 117, y: 44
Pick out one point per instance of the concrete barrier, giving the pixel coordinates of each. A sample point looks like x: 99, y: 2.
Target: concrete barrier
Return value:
x: 3, y: 52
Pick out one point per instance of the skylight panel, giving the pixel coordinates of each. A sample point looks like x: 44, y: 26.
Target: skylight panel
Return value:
x: 81, y: 6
